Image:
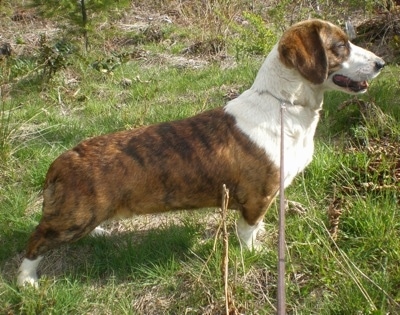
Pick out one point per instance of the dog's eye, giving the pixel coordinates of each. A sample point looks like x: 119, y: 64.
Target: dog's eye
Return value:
x: 341, y: 45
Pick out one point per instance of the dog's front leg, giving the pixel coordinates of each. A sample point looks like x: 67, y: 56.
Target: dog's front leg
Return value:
x: 248, y: 233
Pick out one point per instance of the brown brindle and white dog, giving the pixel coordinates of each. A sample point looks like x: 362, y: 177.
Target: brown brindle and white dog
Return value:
x: 183, y: 164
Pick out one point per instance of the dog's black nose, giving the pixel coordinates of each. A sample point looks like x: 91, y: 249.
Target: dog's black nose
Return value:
x: 379, y: 64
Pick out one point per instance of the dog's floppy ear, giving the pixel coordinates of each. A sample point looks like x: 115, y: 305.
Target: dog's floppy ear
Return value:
x: 301, y: 48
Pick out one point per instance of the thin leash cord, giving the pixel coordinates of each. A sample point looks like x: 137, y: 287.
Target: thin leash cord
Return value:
x: 281, y: 309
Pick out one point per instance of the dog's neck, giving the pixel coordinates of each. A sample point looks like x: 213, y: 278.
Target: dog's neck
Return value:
x: 286, y: 84
x: 257, y: 112
x: 274, y: 84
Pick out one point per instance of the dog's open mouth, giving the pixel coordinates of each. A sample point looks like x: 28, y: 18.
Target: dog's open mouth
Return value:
x: 348, y: 83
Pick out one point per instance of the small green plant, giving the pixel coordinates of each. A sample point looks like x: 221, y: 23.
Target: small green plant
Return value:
x: 254, y: 38
x: 53, y: 58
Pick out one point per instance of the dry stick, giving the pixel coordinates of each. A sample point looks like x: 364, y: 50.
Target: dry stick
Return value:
x: 225, y: 200
x: 213, y: 251
x: 281, y: 234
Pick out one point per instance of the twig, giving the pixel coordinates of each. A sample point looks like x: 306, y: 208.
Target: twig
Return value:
x: 225, y: 259
x: 229, y: 302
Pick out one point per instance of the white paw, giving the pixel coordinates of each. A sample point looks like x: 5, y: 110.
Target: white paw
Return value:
x: 248, y: 233
x: 25, y: 279
x: 27, y: 272
x: 99, y: 232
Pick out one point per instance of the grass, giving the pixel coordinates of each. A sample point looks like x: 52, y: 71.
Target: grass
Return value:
x: 168, y: 264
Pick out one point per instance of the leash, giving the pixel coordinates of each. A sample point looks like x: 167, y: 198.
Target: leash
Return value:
x: 281, y: 307
x: 281, y: 234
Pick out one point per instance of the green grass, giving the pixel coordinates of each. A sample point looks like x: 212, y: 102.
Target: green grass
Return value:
x: 168, y: 264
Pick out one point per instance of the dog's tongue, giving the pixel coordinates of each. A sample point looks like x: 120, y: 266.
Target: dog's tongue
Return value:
x: 344, y: 81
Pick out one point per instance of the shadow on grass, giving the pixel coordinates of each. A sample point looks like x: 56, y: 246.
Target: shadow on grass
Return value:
x: 123, y: 256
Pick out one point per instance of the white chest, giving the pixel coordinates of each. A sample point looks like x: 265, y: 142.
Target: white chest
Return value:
x: 262, y: 124
x: 299, y: 148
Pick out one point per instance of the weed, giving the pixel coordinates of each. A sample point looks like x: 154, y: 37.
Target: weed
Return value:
x: 53, y: 58
x: 254, y: 37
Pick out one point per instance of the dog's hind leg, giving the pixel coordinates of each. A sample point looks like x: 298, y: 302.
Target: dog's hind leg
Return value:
x: 99, y: 231
x: 52, y: 232
x: 27, y: 272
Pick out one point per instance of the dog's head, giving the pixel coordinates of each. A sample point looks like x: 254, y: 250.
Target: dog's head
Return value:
x: 323, y: 54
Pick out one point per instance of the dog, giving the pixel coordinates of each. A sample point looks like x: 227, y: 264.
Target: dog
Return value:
x: 184, y: 164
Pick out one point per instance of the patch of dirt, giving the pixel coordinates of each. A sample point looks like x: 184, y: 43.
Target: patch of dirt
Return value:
x: 151, y: 301
x: 183, y: 61
x: 22, y: 30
